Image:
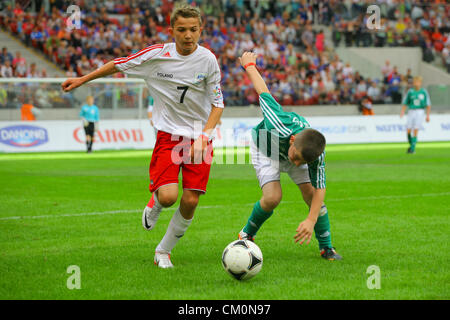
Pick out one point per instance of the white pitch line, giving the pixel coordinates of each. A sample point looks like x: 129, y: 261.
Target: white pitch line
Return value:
x: 390, y: 197
x: 223, y: 206
x: 68, y: 215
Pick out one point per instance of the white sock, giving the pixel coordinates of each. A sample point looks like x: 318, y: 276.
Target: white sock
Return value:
x: 176, y: 229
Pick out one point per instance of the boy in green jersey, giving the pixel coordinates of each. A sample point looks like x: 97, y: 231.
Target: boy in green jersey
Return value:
x: 284, y: 142
x: 416, y: 100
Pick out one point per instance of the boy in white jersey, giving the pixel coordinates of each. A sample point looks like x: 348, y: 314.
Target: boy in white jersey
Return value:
x: 184, y: 79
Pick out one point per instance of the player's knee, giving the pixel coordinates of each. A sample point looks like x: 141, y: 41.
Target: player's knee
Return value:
x: 167, y: 199
x: 190, y: 200
x: 271, y: 201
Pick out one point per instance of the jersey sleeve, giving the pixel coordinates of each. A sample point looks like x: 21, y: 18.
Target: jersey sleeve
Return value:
x: 427, y: 97
x: 135, y: 64
x: 274, y: 116
x: 213, y: 88
x: 317, y: 172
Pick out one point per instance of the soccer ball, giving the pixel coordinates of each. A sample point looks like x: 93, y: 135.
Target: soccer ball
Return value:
x: 242, y: 259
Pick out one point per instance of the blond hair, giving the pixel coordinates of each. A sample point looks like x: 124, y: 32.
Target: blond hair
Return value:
x: 90, y: 97
x: 186, y: 11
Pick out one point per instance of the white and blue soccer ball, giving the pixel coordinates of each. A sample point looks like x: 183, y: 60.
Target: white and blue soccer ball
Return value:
x: 242, y: 259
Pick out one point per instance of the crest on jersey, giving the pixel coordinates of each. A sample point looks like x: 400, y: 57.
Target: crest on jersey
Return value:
x: 299, y: 123
x: 421, y: 96
x: 199, y: 77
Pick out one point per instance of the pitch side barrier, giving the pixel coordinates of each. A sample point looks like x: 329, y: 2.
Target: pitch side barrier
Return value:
x: 42, y: 136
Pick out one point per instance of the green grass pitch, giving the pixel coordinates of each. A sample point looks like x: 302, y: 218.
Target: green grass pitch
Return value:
x: 387, y: 208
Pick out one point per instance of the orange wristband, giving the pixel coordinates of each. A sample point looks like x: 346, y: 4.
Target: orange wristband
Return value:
x: 249, y: 64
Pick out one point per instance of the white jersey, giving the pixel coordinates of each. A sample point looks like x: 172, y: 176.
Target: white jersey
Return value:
x: 183, y: 87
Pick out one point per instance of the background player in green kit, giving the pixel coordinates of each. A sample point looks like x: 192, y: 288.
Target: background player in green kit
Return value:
x: 284, y: 142
x: 416, y: 100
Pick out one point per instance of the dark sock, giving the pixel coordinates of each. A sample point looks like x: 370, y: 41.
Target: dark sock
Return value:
x: 413, y: 143
x: 322, y: 229
x: 256, y: 220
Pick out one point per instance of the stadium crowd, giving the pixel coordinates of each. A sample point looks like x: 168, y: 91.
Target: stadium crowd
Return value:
x: 298, y: 65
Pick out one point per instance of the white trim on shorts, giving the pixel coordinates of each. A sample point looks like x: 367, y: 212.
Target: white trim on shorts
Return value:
x: 167, y: 184
x: 204, y: 191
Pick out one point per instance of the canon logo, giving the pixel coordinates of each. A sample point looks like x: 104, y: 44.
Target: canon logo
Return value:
x: 111, y: 135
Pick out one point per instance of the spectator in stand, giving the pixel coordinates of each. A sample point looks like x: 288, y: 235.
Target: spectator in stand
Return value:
x: 5, y: 56
x: 386, y: 70
x: 17, y: 9
x: 447, y: 63
x: 437, y: 39
x: 394, y: 90
x: 427, y: 51
x: 347, y: 71
x: 374, y: 93
x: 329, y: 84
x: 393, y: 72
x: 71, y: 73
x: 6, y: 71
x: 33, y: 72
x: 308, y: 37
x: 446, y: 56
x: 320, y: 41
x: 42, y: 96
x: 84, y: 66
x: 19, y: 65
x: 37, y: 37
x: 409, y: 77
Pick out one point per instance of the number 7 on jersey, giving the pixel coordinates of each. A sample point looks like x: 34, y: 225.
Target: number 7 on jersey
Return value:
x: 184, y: 88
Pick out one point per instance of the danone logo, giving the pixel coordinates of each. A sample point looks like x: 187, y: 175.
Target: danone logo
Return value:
x: 23, y: 136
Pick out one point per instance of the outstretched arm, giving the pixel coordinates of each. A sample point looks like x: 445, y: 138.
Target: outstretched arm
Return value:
x: 306, y: 228
x: 248, y: 61
x: 105, y: 70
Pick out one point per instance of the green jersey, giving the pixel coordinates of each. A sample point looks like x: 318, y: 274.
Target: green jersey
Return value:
x: 417, y: 99
x: 273, y: 133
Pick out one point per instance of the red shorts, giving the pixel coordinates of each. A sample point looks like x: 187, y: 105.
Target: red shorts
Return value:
x: 171, y: 155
